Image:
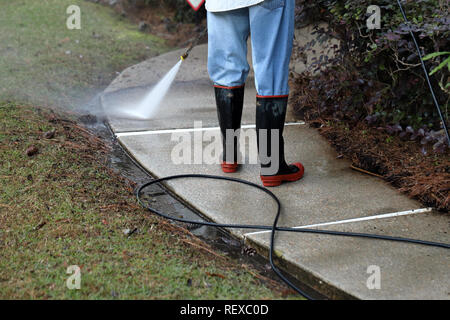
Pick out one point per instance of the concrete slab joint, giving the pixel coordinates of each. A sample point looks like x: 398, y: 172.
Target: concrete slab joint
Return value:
x: 330, y: 196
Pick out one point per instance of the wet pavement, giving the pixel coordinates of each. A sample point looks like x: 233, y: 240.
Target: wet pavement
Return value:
x: 162, y: 199
x: 329, y: 192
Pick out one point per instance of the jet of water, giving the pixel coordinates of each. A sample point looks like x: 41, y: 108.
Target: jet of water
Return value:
x: 149, y: 106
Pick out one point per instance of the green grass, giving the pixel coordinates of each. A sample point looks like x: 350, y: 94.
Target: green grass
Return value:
x: 85, y: 209
x: 62, y: 206
x: 34, y: 41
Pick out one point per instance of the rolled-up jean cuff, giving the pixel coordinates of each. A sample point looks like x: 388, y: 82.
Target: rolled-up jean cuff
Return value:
x: 226, y: 87
x: 276, y: 96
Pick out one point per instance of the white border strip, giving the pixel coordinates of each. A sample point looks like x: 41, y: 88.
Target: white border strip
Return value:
x: 381, y: 216
x: 141, y: 133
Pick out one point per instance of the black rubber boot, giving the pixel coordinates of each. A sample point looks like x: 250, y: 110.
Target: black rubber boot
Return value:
x: 230, y: 102
x: 271, y: 115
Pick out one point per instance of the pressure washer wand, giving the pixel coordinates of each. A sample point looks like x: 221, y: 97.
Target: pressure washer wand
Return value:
x: 194, y: 44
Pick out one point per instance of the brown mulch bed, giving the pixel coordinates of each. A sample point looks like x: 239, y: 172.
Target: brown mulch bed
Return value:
x: 425, y: 178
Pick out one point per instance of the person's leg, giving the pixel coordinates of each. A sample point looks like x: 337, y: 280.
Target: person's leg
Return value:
x: 272, y: 33
x: 228, y: 32
x: 228, y: 69
x: 272, y: 36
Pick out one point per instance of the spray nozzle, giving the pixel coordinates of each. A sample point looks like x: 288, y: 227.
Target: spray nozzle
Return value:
x: 186, y: 54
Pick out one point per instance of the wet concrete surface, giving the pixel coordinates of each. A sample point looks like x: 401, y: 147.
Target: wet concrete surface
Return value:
x: 330, y: 191
x: 160, y: 198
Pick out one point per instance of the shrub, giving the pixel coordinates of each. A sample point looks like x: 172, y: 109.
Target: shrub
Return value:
x: 183, y: 12
x: 376, y: 75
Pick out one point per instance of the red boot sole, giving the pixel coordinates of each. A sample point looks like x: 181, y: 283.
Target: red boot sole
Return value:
x: 275, y: 181
x: 229, y: 167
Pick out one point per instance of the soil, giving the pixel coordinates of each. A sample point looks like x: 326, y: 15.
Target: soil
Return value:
x: 425, y: 178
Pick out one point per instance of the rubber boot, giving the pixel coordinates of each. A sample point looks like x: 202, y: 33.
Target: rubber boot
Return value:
x: 230, y: 102
x: 270, y: 116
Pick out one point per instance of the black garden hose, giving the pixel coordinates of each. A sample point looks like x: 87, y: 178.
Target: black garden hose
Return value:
x: 274, y: 227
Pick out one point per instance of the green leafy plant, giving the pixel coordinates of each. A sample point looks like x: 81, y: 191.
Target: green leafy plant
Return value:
x: 377, y: 75
x: 441, y: 66
x: 444, y: 63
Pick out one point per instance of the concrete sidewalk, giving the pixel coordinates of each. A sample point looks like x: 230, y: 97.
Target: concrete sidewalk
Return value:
x: 330, y: 192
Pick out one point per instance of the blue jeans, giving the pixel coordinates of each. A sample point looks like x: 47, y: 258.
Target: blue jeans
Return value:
x: 271, y: 25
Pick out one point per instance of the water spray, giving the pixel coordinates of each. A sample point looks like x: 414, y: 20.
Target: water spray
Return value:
x: 148, y: 107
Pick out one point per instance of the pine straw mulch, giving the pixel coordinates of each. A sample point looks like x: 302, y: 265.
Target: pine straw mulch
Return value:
x: 425, y: 178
